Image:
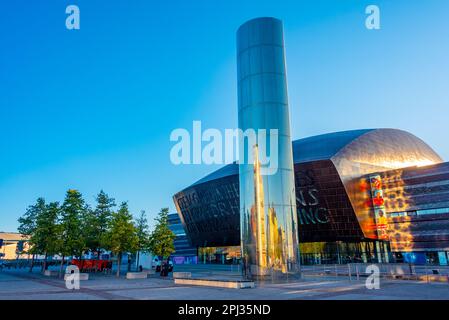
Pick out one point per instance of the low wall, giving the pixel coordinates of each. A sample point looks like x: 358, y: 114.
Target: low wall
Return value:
x: 216, y: 283
x: 136, y: 275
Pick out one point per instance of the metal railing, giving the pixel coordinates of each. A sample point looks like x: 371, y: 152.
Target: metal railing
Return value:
x: 390, y: 271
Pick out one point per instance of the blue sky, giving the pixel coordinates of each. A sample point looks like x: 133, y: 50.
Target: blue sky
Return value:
x: 93, y: 108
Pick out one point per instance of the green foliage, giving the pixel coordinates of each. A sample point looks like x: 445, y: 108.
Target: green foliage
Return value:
x: 27, y: 222
x: 103, y: 211
x: 28, y: 225
x: 96, y: 222
x: 73, y: 211
x: 40, y: 224
x: 46, y: 236
x: 89, y: 229
x: 162, y: 238
x: 121, y: 236
x: 73, y: 228
x: 143, y: 233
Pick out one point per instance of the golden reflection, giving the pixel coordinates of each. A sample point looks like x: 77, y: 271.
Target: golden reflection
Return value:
x: 258, y: 216
x: 276, y: 255
x: 397, y: 200
x: 404, y: 164
x: 363, y: 202
x: 268, y: 235
x: 379, y: 151
x: 377, y: 196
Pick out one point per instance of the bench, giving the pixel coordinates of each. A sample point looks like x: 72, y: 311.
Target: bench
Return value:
x: 182, y: 275
x: 136, y: 275
x: 233, y: 284
x: 50, y: 273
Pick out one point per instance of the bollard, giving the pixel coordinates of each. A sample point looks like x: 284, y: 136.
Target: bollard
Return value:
x: 349, y: 272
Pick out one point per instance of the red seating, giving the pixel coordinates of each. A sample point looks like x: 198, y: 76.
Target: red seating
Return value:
x: 90, y: 265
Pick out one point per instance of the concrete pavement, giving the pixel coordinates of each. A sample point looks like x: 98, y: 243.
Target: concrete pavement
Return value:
x: 21, y: 285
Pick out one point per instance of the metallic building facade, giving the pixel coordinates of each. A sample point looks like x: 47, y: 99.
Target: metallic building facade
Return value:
x: 268, y: 222
x: 332, y: 205
x: 416, y: 209
x: 377, y: 151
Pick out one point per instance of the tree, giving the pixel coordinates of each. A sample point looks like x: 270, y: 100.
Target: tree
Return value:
x: 121, y: 236
x: 73, y: 211
x: 27, y: 222
x: 143, y: 235
x: 27, y: 225
x: 162, y: 238
x: 89, y: 227
x: 45, y: 239
x: 97, y: 222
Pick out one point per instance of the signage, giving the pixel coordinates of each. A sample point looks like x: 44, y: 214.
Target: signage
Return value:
x: 380, y: 218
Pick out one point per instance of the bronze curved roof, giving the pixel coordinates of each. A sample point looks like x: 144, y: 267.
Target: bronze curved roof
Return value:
x: 367, y: 150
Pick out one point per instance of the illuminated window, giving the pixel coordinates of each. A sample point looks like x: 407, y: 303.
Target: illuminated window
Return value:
x: 419, y: 212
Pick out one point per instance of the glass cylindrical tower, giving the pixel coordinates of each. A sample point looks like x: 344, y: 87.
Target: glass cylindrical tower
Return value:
x: 268, y: 219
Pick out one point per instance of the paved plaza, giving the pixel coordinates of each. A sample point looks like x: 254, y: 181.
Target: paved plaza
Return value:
x: 22, y: 285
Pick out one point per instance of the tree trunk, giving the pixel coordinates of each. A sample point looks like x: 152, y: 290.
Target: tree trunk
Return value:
x: 44, y: 266
x: 32, y: 263
x: 61, y: 267
x: 119, y: 262
x: 138, y: 258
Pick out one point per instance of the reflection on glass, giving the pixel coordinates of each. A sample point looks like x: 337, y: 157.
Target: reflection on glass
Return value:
x: 380, y: 218
x: 258, y: 217
x: 400, y: 235
x: 379, y: 150
x: 267, y: 202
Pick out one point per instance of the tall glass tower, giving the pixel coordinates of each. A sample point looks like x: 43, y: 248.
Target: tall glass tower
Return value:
x: 268, y: 220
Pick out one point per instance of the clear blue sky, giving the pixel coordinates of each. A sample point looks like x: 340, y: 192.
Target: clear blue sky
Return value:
x: 93, y: 109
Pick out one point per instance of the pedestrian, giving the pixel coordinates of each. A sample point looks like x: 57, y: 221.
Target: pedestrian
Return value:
x: 164, y: 269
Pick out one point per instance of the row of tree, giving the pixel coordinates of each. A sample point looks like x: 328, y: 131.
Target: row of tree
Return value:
x: 74, y: 228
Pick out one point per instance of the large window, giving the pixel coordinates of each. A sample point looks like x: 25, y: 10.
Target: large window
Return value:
x: 219, y: 255
x: 413, y: 213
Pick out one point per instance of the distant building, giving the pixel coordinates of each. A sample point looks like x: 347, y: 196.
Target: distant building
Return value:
x: 10, y: 245
x: 184, y: 254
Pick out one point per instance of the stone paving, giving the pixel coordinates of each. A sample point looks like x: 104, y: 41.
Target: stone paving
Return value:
x: 21, y: 285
